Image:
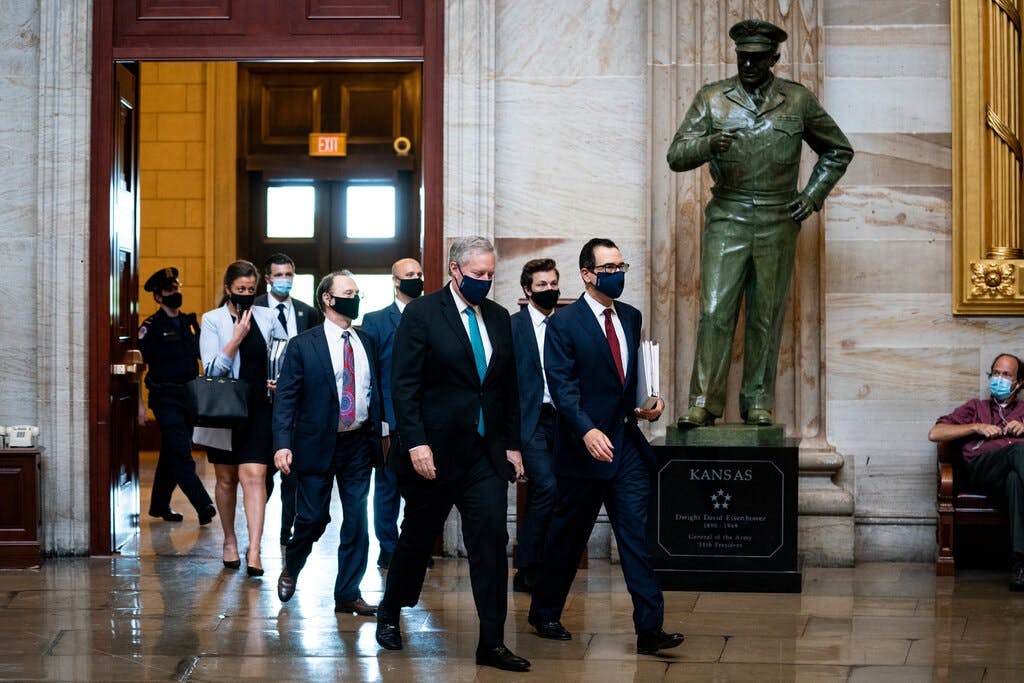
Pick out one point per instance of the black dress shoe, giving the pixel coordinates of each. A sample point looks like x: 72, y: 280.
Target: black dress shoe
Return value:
x: 357, y: 606
x: 285, y: 586
x: 1017, y: 577
x: 168, y: 515
x: 384, y: 559
x: 522, y: 582
x: 389, y: 634
x: 501, y: 657
x: 207, y: 514
x: 649, y: 642
x: 552, y: 630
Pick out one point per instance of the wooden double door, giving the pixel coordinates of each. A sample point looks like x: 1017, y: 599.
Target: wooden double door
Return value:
x: 127, y: 32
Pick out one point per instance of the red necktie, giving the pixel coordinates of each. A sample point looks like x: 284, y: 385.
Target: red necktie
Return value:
x: 347, y: 414
x: 613, y: 344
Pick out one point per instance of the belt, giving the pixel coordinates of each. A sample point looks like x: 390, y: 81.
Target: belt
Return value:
x: 756, y: 197
x: 547, y: 410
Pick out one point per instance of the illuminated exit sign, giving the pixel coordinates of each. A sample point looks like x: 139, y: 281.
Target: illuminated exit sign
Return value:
x: 328, y: 144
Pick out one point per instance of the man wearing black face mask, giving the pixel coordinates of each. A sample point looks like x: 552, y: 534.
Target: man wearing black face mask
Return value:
x: 327, y: 427
x: 601, y: 456
x: 168, y: 340
x: 457, y: 407
x: 380, y: 326
x: 539, y: 281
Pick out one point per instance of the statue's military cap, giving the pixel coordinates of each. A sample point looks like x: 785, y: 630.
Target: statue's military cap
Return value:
x: 161, y: 279
x: 755, y: 35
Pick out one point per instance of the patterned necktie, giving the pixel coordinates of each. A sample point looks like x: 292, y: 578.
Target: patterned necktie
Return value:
x: 347, y: 414
x: 282, y: 317
x: 477, y: 342
x: 613, y: 344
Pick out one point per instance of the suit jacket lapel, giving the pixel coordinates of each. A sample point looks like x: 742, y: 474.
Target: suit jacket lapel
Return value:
x: 601, y: 339
x: 451, y: 314
x: 395, y: 316
x: 627, y: 329
x: 491, y: 322
x: 323, y: 353
x: 528, y: 337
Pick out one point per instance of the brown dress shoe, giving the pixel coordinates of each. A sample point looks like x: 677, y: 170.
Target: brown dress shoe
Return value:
x: 357, y: 606
x: 285, y: 586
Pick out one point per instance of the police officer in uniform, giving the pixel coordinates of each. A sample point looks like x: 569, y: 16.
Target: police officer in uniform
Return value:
x: 750, y: 130
x: 169, y: 341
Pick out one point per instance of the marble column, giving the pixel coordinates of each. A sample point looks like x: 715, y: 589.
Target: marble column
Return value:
x: 688, y: 47
x: 62, y: 262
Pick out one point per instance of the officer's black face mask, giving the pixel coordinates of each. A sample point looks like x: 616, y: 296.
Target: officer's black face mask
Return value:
x: 172, y: 301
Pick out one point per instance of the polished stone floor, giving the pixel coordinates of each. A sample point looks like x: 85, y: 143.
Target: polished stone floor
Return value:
x: 167, y: 610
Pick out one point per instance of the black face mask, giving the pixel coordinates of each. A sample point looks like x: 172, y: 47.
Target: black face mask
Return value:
x: 242, y: 302
x: 545, y: 300
x: 346, y: 307
x: 172, y: 301
x: 412, y: 288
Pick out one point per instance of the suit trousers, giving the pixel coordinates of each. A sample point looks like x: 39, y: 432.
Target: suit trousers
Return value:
x: 175, y: 466
x: 481, y: 497
x: 350, y: 466
x: 540, y: 500
x: 386, y: 503
x: 625, y: 497
x: 746, y: 252
x: 1002, y: 472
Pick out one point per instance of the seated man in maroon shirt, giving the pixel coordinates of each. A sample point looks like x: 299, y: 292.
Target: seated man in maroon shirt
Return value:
x: 992, y: 431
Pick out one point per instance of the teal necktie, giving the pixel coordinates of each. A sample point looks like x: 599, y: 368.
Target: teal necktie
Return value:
x: 477, y: 342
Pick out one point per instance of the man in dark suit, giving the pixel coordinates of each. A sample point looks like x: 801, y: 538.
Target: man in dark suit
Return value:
x: 539, y: 281
x: 456, y: 402
x: 380, y: 326
x: 601, y: 456
x: 327, y: 426
x: 295, y: 316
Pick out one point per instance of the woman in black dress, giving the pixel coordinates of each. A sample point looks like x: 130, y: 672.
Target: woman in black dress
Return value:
x: 233, y: 341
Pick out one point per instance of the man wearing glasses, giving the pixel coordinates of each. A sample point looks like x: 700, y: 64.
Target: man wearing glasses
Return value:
x: 601, y: 456
x: 992, y: 436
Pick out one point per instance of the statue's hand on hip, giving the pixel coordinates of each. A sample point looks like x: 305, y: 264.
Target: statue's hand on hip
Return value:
x: 800, y: 208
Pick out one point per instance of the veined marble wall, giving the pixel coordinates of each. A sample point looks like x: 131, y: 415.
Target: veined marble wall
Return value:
x: 895, y: 355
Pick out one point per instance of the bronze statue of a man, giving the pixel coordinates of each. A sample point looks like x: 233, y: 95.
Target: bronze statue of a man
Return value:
x: 751, y: 128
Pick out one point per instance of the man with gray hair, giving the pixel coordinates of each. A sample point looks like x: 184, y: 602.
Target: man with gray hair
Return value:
x: 456, y: 401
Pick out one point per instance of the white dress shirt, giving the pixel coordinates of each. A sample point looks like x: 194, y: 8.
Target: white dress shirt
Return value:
x: 540, y: 327
x: 335, y: 344
x: 289, y: 313
x: 462, y: 306
x: 598, y: 308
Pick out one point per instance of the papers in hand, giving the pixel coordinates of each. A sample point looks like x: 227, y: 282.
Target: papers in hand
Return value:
x: 648, y: 370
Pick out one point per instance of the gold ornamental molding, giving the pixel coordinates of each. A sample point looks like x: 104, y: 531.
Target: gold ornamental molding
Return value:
x: 994, y: 280
x: 988, y: 157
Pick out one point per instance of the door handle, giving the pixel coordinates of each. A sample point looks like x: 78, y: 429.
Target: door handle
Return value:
x: 131, y: 366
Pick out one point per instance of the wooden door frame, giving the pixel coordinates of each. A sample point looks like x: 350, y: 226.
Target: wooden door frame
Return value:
x: 104, y: 55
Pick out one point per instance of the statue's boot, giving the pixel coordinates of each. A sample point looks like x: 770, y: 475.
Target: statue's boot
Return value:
x: 695, y: 417
x: 760, y: 417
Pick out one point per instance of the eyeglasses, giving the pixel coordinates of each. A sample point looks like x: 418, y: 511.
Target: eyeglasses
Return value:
x: 609, y: 268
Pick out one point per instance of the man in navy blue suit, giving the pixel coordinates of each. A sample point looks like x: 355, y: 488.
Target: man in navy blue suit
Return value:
x: 380, y: 326
x: 539, y: 281
x: 601, y: 456
x: 327, y: 426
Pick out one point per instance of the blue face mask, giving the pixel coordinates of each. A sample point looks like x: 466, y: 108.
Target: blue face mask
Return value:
x: 1000, y: 387
x: 281, y: 286
x: 610, y: 284
x: 474, y: 290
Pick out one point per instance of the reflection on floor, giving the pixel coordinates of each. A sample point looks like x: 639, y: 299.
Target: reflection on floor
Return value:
x: 169, y: 611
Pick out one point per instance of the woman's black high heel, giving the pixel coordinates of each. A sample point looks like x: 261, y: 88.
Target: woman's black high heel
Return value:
x: 251, y: 570
x: 232, y: 564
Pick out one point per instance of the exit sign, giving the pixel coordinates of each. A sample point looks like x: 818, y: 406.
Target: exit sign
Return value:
x: 328, y: 144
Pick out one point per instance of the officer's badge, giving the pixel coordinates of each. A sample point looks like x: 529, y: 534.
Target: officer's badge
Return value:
x: 142, y: 331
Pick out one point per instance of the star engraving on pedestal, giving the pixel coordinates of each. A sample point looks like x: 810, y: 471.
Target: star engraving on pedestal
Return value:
x: 720, y: 500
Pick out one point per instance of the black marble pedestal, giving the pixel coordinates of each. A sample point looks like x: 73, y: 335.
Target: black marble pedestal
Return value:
x: 724, y: 518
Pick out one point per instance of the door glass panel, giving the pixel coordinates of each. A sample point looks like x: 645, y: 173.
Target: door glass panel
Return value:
x: 378, y: 292
x: 370, y: 211
x: 290, y: 210
x: 304, y: 288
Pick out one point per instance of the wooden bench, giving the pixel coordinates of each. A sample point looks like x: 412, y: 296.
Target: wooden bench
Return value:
x: 959, y: 506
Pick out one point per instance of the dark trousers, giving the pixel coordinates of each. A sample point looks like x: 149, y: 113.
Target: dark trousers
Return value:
x: 578, y: 503
x: 386, y: 502
x: 481, y: 498
x: 350, y: 466
x: 1002, y: 471
x: 175, y: 466
x: 540, y: 496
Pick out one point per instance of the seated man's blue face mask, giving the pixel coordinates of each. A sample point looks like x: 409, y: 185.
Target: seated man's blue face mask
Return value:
x: 1000, y: 387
